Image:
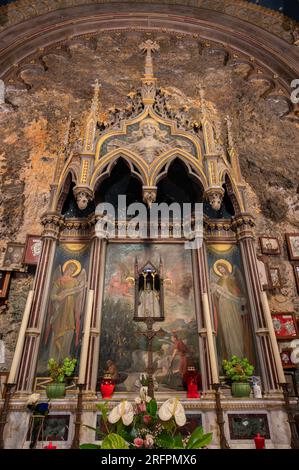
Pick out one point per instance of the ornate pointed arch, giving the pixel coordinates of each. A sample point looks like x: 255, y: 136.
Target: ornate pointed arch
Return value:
x: 105, y: 166
x: 194, y: 170
x: 69, y: 176
x: 232, y: 191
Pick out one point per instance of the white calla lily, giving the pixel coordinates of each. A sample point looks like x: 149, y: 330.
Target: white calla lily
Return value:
x: 173, y: 408
x: 122, y: 411
x: 33, y: 399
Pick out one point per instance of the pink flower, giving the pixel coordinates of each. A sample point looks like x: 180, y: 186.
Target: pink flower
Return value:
x: 138, y: 442
x: 142, y: 407
x: 147, y: 419
x: 148, y: 441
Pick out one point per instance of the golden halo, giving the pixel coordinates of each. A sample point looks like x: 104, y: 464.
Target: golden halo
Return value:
x: 225, y: 263
x: 76, y: 263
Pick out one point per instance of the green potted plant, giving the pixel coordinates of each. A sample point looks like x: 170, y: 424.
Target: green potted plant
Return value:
x: 239, y: 372
x: 58, y: 372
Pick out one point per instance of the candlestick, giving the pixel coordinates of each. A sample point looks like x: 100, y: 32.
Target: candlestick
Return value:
x: 269, y: 322
x: 21, y: 340
x: 86, y: 334
x: 210, y: 339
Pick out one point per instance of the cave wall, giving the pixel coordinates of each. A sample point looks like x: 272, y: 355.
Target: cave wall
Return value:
x: 41, y: 97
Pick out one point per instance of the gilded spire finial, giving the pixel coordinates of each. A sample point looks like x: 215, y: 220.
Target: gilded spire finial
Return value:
x: 149, y: 47
x: 96, y: 96
x: 92, y: 118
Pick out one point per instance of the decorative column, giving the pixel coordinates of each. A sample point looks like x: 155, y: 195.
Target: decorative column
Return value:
x: 243, y: 225
x: 208, y: 331
x: 96, y: 283
x: 52, y: 221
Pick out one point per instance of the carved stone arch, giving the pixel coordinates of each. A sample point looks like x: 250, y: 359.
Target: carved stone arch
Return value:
x: 104, y: 168
x: 193, y: 169
x: 69, y: 175
x: 64, y: 188
x: 232, y: 191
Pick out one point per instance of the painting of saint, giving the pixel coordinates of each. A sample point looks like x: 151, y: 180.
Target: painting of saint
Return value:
x: 64, y: 320
x: 122, y: 351
x: 231, y: 314
x: 66, y: 307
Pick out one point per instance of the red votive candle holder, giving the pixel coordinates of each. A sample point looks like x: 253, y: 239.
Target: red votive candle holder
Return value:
x: 259, y: 441
x: 50, y: 446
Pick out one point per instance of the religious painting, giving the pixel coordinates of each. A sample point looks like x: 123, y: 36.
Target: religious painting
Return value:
x: 270, y: 245
x: 296, y: 272
x: 33, y: 249
x: 14, y: 255
x: 55, y: 428
x: 286, y: 360
x: 285, y: 325
x: 275, y: 278
x: 63, y: 325
x: 4, y: 283
x: 123, y: 352
x: 230, y: 303
x: 293, y: 245
x: 247, y: 426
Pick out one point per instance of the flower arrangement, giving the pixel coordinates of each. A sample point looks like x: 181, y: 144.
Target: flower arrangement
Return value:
x: 58, y: 371
x: 238, y: 370
x: 36, y: 407
x: 39, y: 411
x: 142, y: 425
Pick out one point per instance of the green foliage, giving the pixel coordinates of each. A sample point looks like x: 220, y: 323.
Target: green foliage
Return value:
x: 238, y: 370
x: 114, y: 441
x: 58, y: 371
x: 89, y: 446
x: 152, y: 408
x: 147, y: 430
x: 198, y: 439
x: 144, y: 380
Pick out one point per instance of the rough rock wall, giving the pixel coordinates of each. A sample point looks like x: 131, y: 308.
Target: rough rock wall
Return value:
x: 40, y: 99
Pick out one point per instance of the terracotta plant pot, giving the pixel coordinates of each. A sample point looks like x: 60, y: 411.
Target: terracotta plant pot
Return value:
x: 55, y: 390
x: 241, y: 389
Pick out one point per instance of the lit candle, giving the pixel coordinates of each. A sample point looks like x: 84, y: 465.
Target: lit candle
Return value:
x: 21, y: 339
x: 210, y: 339
x: 86, y: 334
x: 269, y: 323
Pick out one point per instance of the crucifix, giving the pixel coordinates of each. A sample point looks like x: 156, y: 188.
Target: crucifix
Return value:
x: 149, y: 47
x: 149, y: 308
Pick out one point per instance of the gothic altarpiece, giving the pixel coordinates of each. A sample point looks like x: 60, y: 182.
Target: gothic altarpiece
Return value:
x: 145, y: 152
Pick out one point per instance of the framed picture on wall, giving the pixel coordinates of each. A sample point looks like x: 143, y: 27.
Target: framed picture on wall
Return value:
x: 270, y: 245
x: 14, y: 255
x: 285, y: 356
x: 296, y: 272
x: 285, y: 325
x: 293, y: 245
x: 275, y: 278
x: 33, y: 249
x: 4, y: 283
